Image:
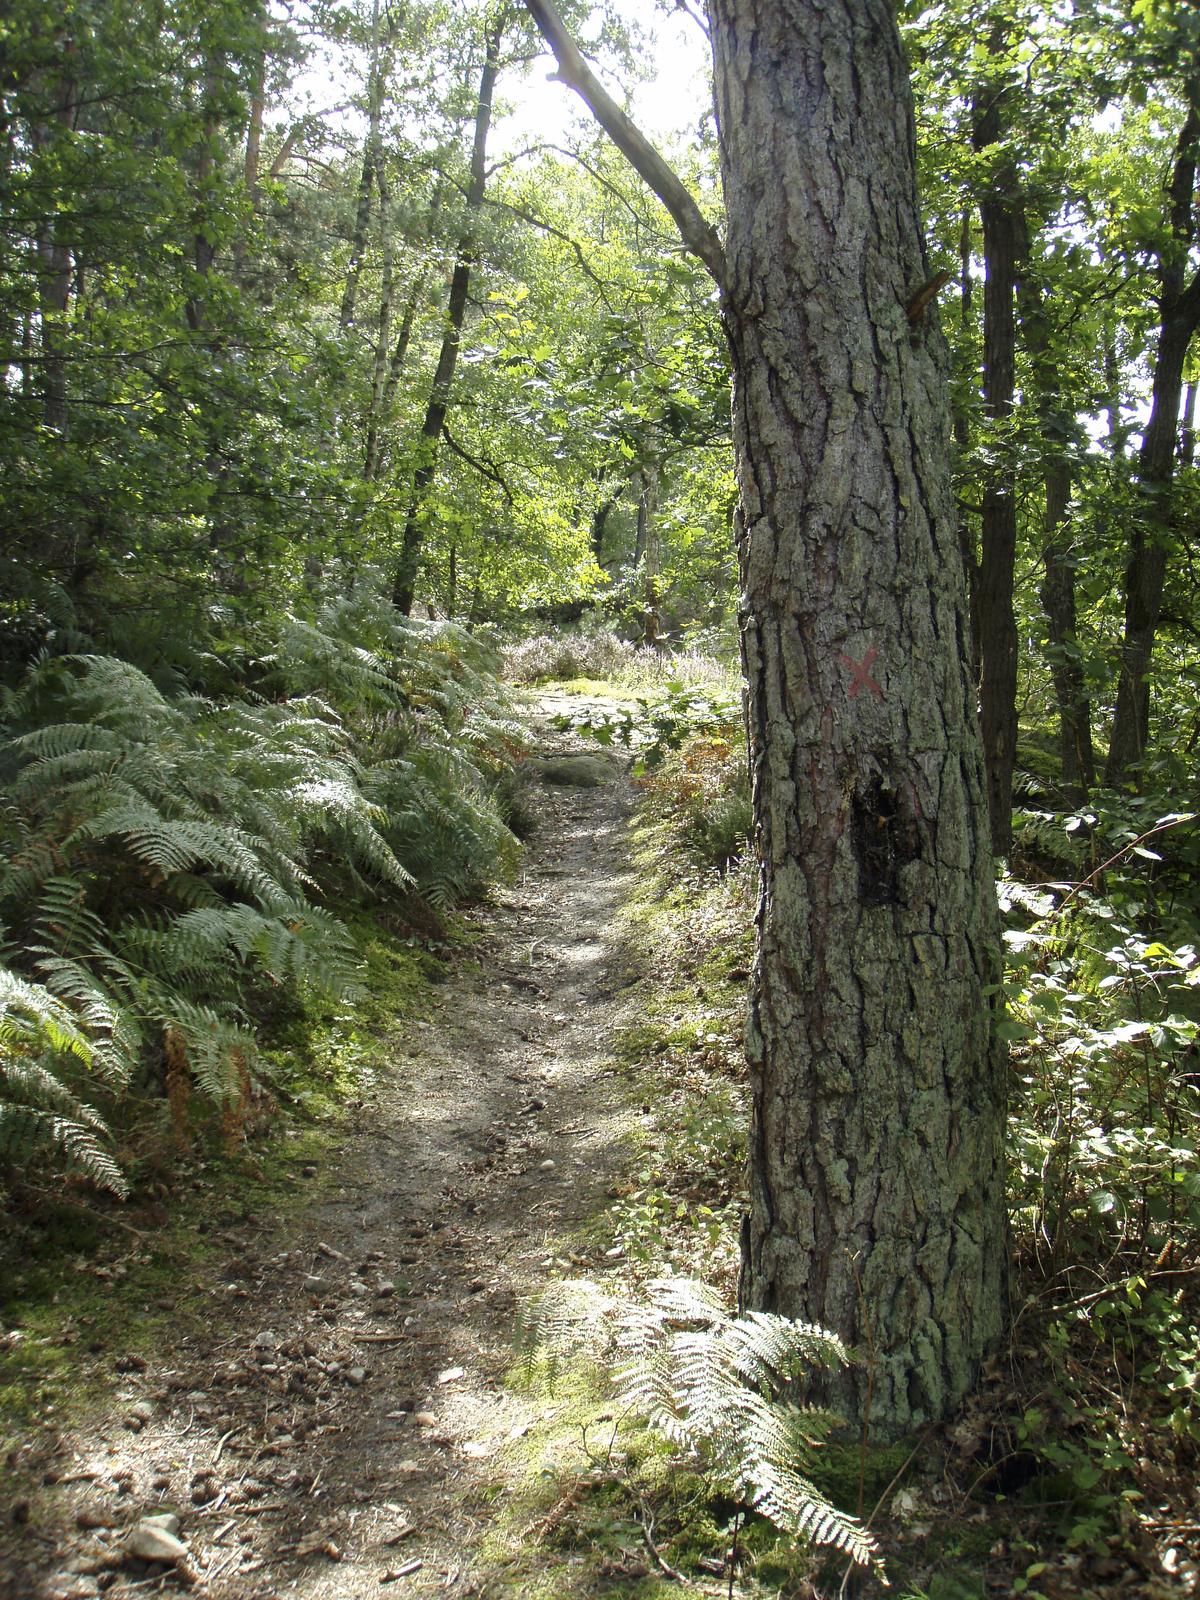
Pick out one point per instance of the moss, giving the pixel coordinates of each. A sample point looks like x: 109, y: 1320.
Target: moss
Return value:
x: 837, y: 1469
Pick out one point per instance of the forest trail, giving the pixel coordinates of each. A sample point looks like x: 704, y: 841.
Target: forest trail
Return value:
x: 499, y: 1127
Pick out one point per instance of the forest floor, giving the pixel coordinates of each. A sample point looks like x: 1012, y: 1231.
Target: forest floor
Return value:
x: 338, y: 1423
x: 321, y: 1381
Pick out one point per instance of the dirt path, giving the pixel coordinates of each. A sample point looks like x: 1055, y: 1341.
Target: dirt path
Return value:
x: 322, y: 1440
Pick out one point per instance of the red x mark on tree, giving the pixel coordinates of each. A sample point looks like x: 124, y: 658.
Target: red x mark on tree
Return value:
x: 862, y: 677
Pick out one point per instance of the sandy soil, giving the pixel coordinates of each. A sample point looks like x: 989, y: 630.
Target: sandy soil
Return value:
x: 320, y: 1438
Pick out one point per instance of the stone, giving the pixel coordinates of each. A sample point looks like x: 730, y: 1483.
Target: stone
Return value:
x: 356, y: 1376
x: 576, y: 772
x: 547, y: 1166
x: 315, y: 1285
x: 149, y: 1542
x: 359, y: 1289
x: 167, y: 1520
x: 385, y: 1290
x: 264, y: 1340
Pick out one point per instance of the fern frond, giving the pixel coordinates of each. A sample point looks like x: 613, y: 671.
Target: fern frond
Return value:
x: 710, y: 1382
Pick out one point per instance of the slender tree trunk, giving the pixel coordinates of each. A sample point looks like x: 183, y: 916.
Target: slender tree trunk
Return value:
x: 600, y: 518
x: 371, y: 171
x: 1147, y: 567
x: 876, y: 1140
x: 651, y: 554
x: 405, y: 577
x: 1058, y: 600
x: 1004, y: 243
x: 1187, y: 433
x: 55, y: 265
x: 204, y: 250
x: 358, y: 248
x: 379, y: 383
x: 1058, y: 586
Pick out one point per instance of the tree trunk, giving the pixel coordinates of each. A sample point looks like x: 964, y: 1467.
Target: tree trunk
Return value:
x: 1058, y: 586
x: 204, y: 250
x: 1058, y: 599
x: 651, y: 555
x: 405, y: 578
x: 876, y: 1141
x: 358, y: 248
x: 54, y: 267
x: 1187, y: 432
x: 877, y: 1129
x: 600, y: 518
x: 380, y: 381
x: 1003, y: 244
x: 962, y: 441
x: 1147, y: 567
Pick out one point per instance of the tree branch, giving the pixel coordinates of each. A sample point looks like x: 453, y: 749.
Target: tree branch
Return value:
x: 697, y: 234
x: 556, y: 233
x: 484, y: 467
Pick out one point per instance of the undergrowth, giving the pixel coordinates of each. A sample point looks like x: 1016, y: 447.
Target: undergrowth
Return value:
x: 170, y: 861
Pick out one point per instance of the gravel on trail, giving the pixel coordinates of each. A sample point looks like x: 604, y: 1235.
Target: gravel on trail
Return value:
x: 320, y: 1439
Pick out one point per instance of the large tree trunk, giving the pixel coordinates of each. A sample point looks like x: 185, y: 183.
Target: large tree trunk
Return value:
x: 1179, y: 312
x: 405, y: 579
x: 1004, y: 241
x: 876, y: 1141
x: 879, y: 1093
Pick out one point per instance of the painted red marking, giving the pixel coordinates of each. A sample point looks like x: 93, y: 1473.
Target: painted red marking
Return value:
x: 862, y: 678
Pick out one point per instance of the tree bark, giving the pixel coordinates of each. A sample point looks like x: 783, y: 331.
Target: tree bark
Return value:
x: 876, y: 1142
x: 405, y: 578
x: 1004, y: 243
x: 877, y: 1128
x: 1179, y: 316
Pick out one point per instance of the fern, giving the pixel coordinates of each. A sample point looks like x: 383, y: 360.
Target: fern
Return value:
x: 715, y: 1385
x: 160, y: 854
x: 38, y: 1112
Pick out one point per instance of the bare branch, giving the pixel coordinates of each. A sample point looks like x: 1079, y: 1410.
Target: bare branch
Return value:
x: 697, y: 234
x: 486, y: 468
